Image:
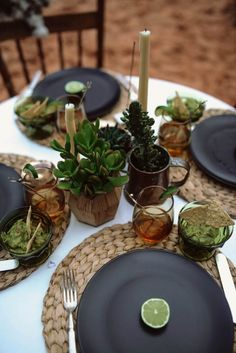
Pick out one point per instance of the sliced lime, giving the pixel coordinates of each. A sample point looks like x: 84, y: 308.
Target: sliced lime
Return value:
x: 74, y: 87
x: 155, y: 312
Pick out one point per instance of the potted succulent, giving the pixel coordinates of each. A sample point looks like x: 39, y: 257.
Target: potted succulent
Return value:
x: 148, y: 163
x: 118, y: 137
x: 94, y: 181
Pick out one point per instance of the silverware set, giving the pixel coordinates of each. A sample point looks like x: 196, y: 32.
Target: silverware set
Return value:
x: 70, y: 303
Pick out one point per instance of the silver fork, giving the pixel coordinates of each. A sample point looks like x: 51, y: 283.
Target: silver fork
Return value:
x: 70, y: 304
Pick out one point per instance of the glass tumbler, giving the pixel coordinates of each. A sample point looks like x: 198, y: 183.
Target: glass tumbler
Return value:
x: 153, y: 215
x: 42, y: 191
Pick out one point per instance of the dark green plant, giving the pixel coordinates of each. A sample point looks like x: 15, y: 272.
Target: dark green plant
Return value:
x: 119, y: 138
x: 98, y: 172
x: 147, y: 155
x: 182, y: 108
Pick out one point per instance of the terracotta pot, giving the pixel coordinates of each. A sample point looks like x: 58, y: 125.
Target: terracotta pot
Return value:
x: 139, y: 179
x: 95, y: 211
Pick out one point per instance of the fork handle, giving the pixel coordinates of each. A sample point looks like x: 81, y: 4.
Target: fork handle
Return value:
x: 71, y: 334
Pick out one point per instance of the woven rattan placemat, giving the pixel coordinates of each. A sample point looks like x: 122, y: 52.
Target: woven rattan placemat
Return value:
x: 200, y: 186
x: 9, y: 278
x: 85, y: 259
x: 120, y: 106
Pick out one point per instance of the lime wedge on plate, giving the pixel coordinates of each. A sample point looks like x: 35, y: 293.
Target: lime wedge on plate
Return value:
x: 155, y: 312
x: 73, y: 87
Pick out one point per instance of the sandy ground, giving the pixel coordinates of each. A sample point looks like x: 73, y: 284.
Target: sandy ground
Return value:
x: 192, y: 43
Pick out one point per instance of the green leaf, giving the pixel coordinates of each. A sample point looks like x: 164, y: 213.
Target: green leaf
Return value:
x: 119, y: 180
x: 170, y: 191
x: 163, y: 110
x: 29, y: 169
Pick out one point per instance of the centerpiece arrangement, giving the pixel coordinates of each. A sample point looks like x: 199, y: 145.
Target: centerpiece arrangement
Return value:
x: 94, y: 182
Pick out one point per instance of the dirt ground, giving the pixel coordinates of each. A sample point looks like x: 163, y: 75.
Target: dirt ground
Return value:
x: 193, y: 43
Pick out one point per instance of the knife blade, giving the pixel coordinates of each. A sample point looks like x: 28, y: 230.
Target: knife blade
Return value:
x: 6, y: 265
x: 227, y: 282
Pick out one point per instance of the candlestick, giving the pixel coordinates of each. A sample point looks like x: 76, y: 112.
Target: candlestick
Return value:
x: 144, y: 47
x: 70, y: 123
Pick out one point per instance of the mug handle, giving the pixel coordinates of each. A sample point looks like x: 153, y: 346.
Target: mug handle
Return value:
x: 180, y: 163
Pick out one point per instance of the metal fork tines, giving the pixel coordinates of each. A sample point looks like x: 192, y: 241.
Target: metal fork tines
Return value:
x: 70, y: 304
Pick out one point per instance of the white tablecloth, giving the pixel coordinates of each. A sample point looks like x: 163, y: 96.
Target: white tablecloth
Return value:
x: 21, y: 305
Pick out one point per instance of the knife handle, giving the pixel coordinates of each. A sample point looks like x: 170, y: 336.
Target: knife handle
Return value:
x: 227, y: 282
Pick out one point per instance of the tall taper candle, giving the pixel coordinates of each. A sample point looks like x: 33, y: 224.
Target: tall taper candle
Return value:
x: 144, y: 47
x: 70, y: 123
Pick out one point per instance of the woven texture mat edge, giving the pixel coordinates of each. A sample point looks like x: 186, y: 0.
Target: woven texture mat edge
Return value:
x: 9, y: 278
x: 86, y: 259
x: 200, y: 186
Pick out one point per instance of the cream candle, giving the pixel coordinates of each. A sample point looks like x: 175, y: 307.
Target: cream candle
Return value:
x: 144, y: 47
x: 70, y: 123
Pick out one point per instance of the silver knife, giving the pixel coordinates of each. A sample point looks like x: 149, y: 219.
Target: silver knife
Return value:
x: 227, y: 282
x: 6, y: 265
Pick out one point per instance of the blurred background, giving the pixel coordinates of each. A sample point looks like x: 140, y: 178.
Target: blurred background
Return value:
x: 192, y: 42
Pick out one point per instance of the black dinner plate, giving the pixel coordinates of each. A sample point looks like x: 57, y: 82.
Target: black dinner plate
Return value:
x: 213, y: 148
x: 108, y: 318
x: 12, y: 194
x: 100, y: 98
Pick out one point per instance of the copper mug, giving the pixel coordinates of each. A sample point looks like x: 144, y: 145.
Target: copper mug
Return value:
x: 139, y: 179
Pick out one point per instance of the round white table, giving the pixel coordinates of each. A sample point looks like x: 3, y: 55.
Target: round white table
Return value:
x: 21, y: 305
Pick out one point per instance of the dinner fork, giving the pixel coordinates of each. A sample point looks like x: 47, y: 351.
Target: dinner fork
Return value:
x: 70, y: 304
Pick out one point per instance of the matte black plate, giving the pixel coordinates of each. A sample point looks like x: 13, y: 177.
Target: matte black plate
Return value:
x: 12, y: 195
x: 213, y: 148
x: 101, y: 97
x: 108, y: 318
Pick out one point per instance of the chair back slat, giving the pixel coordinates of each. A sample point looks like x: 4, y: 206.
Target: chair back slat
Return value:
x: 22, y: 59
x: 41, y: 55
x: 57, y: 25
x: 60, y: 50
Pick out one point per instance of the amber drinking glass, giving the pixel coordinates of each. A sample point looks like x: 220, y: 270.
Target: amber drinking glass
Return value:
x: 174, y: 135
x: 153, y: 215
x: 42, y: 191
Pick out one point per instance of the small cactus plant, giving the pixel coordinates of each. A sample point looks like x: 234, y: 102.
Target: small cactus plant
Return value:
x: 118, y: 138
x: 146, y: 153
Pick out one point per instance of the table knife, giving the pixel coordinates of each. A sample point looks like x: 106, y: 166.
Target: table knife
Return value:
x: 6, y: 265
x: 227, y: 282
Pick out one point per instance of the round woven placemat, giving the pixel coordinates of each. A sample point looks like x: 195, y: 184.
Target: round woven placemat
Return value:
x: 85, y: 259
x: 120, y: 106
x: 9, y: 278
x: 200, y: 186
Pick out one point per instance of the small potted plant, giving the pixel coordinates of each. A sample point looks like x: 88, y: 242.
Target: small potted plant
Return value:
x: 148, y: 162
x: 94, y: 181
x: 178, y: 116
x: 118, y: 138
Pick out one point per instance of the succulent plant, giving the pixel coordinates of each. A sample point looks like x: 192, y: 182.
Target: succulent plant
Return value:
x: 118, y: 138
x: 146, y: 153
x: 98, y: 172
x: 182, y: 108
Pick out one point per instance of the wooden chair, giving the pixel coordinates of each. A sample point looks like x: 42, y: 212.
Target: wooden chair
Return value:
x: 18, y: 31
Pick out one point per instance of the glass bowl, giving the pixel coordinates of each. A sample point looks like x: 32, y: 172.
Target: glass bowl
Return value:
x: 41, y: 247
x: 37, y: 115
x: 199, y: 241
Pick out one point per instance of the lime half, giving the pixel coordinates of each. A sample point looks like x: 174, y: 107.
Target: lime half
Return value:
x: 155, y: 312
x: 74, y: 87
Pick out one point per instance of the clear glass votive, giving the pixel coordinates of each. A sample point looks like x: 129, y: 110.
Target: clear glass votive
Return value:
x: 80, y: 113
x: 200, y: 241
x: 153, y: 215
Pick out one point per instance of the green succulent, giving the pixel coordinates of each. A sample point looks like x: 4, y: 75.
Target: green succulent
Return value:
x: 182, y: 108
x: 119, y: 138
x: 146, y: 153
x: 98, y: 172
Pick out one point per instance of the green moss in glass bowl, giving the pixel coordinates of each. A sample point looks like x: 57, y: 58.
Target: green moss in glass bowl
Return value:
x: 37, y: 115
x: 29, y: 248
